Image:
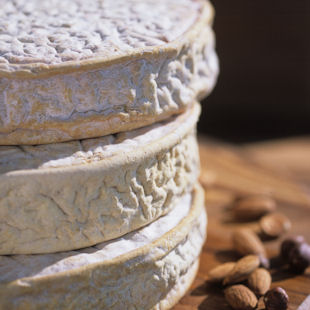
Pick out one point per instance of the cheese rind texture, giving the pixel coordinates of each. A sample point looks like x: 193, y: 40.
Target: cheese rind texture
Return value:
x: 108, y: 92
x: 55, y: 31
x: 61, y: 197
x: 150, y: 277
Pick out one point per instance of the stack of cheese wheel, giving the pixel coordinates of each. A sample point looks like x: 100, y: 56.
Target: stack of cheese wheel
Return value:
x: 99, y: 202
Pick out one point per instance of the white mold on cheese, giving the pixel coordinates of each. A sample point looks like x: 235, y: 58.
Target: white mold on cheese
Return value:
x: 63, y: 81
x: 57, y: 31
x: 76, y: 194
x: 150, y: 269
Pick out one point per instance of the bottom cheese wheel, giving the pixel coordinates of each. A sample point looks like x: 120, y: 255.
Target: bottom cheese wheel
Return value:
x: 150, y: 268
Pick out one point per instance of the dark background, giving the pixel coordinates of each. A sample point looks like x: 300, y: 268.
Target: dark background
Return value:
x: 263, y: 88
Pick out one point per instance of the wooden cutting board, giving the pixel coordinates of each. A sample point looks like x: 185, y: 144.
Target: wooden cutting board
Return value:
x: 280, y: 168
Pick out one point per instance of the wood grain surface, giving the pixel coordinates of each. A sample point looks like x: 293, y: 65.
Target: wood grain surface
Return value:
x: 279, y: 168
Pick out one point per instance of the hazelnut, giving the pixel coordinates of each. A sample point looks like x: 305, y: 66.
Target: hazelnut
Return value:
x: 289, y: 244
x: 299, y: 258
x: 276, y: 299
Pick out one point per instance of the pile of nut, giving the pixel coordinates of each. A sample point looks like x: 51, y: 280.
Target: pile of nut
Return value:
x: 249, y: 278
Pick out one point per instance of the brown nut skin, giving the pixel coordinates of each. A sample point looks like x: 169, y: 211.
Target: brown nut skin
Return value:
x: 264, y: 261
x: 246, y: 242
x: 276, y: 299
x: 259, y: 281
x: 299, y: 258
x: 240, y: 297
x: 219, y: 273
x: 252, y: 207
x: 274, y: 225
x: 242, y: 269
x: 288, y: 245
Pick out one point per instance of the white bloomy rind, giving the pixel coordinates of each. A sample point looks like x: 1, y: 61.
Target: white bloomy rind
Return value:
x: 150, y: 61
x: 76, y: 194
x: 152, y: 272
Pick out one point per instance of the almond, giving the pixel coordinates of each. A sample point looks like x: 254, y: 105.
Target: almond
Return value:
x: 218, y: 273
x: 275, y: 224
x: 253, y: 207
x: 260, y: 281
x: 240, y: 297
x: 246, y: 242
x: 242, y: 269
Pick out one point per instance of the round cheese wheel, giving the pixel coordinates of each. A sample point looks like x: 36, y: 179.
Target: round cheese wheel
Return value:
x: 150, y: 268
x: 70, y: 195
x: 79, y: 69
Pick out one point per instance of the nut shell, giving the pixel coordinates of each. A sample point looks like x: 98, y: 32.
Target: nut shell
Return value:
x: 276, y: 299
x: 240, y: 297
x: 218, y: 273
x: 288, y: 245
x: 299, y: 258
x: 246, y: 242
x: 260, y: 281
x: 253, y: 207
x: 275, y: 224
x: 243, y: 268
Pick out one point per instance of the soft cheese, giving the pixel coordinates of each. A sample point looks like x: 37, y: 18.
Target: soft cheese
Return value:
x: 76, y: 70
x: 160, y: 258
x: 71, y: 195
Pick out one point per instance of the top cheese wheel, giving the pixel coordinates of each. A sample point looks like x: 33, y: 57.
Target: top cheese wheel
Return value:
x: 83, y: 69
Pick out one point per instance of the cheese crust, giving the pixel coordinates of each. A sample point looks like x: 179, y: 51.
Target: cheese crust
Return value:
x: 152, y: 276
x: 136, y: 64
x: 71, y: 195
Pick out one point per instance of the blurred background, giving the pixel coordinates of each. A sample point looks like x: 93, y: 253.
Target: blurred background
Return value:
x: 263, y: 91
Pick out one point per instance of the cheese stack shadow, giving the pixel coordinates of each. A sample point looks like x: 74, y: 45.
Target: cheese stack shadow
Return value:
x: 99, y: 202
